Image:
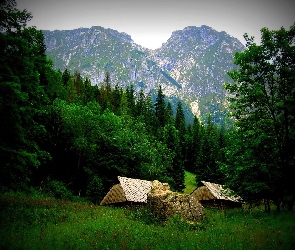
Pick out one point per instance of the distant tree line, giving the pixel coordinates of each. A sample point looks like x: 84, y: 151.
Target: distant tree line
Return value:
x: 68, y: 137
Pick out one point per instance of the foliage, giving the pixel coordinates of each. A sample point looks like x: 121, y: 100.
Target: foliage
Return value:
x: 94, y: 191
x: 64, y: 134
x: 209, y: 156
x: 260, y: 161
x: 57, y: 189
x: 23, y: 99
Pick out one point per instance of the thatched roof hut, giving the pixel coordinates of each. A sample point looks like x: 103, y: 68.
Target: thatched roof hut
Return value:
x: 132, y: 190
x: 212, y: 194
x: 158, y: 197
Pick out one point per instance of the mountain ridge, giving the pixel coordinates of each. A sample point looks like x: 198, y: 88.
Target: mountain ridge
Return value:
x: 191, y: 65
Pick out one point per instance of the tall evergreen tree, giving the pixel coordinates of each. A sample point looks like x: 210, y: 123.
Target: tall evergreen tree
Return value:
x: 105, y: 93
x: 169, y: 113
x: 181, y: 127
x: 160, y: 107
x: 117, y: 96
x: 140, y: 104
x: 176, y: 171
x: 130, y: 95
x: 22, y: 59
x: 66, y: 76
x: 180, y: 120
x: 207, y: 168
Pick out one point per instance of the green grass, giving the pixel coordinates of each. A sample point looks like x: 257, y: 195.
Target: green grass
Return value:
x: 190, y: 182
x: 45, y: 223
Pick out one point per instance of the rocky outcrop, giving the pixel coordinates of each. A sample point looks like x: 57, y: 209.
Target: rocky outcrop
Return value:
x: 167, y: 203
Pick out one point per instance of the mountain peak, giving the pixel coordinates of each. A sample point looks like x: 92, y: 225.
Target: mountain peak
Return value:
x: 192, y: 65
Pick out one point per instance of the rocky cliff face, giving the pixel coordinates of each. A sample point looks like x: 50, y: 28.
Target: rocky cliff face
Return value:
x: 192, y: 65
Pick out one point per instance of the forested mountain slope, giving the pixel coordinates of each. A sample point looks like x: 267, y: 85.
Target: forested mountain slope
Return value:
x: 192, y: 65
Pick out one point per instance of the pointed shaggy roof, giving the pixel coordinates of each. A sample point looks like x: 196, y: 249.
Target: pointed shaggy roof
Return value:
x: 115, y: 195
x: 220, y: 193
x: 216, y: 191
x: 129, y: 189
x: 134, y: 189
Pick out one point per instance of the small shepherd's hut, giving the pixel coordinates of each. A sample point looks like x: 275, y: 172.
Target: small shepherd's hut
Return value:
x: 214, y: 195
x: 155, y: 195
x: 129, y: 190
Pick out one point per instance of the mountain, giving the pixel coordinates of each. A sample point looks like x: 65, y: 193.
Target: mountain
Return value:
x: 192, y: 65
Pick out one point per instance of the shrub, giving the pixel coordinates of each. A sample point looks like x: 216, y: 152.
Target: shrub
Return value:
x: 95, y: 191
x: 58, y: 190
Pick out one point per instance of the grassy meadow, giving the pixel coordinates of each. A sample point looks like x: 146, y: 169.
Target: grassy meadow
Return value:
x: 28, y: 222
x: 190, y: 182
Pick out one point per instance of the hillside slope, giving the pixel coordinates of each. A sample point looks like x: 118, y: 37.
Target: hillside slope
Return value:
x: 192, y: 65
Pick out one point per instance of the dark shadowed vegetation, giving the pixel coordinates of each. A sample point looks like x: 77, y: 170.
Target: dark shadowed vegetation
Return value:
x: 65, y: 138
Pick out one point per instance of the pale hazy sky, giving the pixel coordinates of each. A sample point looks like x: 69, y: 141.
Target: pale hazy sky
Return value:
x: 151, y: 22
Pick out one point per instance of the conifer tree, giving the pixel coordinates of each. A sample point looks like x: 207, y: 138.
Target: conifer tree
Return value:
x: 105, y: 93
x: 66, y: 76
x: 180, y: 126
x: 117, y: 97
x: 176, y: 171
x: 189, y: 150
x: 160, y: 108
x: 180, y: 120
x: 207, y: 168
x: 130, y: 95
x: 79, y: 84
x: 169, y: 113
x: 22, y: 62
x: 140, y: 104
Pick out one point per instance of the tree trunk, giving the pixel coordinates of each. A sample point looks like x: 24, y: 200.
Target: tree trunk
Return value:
x: 266, y: 206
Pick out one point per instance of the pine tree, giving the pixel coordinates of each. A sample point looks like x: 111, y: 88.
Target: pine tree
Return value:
x: 22, y: 63
x: 189, y: 150
x: 180, y: 126
x: 180, y: 120
x: 105, y: 93
x: 66, y: 76
x: 207, y: 168
x: 117, y: 97
x: 176, y: 172
x: 140, y: 104
x: 130, y: 95
x: 169, y: 113
x: 160, y: 108
x: 79, y: 84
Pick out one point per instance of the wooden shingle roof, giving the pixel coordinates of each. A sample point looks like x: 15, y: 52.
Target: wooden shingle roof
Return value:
x: 115, y: 195
x: 128, y: 189
x: 220, y: 193
x: 134, y: 189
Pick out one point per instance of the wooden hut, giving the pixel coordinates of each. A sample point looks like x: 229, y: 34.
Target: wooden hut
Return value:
x: 214, y: 195
x: 129, y: 190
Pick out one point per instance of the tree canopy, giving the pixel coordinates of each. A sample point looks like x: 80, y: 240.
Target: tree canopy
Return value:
x: 260, y: 157
x: 62, y: 134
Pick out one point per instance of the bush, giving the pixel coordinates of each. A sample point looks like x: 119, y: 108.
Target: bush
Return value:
x: 95, y: 191
x: 58, y: 190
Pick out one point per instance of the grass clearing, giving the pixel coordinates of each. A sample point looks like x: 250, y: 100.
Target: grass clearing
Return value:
x: 190, y: 182
x: 28, y: 223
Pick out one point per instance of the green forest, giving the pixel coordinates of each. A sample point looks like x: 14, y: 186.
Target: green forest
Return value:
x: 61, y: 135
